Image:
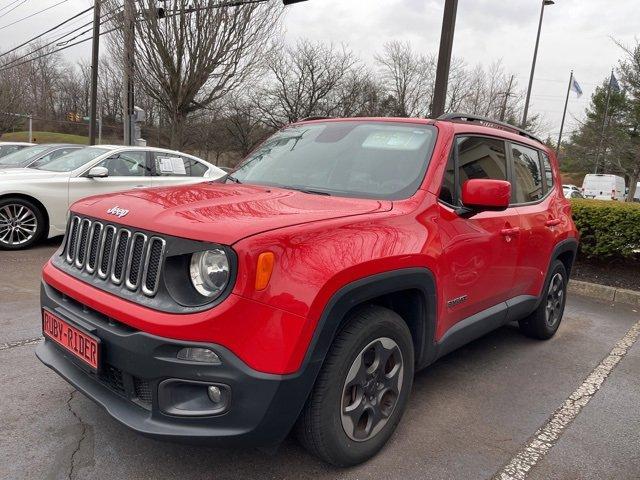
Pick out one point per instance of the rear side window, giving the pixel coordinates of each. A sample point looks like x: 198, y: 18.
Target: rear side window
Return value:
x: 474, y: 157
x: 548, y: 173
x: 527, y: 174
x: 168, y: 165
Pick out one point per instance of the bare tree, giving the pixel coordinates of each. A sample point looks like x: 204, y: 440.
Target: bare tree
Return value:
x: 408, y: 78
x: 12, y: 91
x: 198, y: 53
x: 304, y: 80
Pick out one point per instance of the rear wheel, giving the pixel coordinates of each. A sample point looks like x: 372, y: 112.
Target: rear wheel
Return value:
x: 21, y: 223
x: 545, y: 320
x: 361, y: 391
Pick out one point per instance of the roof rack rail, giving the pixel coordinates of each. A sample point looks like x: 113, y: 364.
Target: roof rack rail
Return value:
x: 464, y: 117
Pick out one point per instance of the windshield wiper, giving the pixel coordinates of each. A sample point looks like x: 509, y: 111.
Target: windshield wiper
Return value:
x: 310, y: 191
x: 232, y: 178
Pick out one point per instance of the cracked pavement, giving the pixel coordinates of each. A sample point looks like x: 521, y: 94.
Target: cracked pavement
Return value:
x: 468, y: 416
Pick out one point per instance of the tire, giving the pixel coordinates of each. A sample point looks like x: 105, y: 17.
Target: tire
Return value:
x: 22, y: 223
x: 543, y: 323
x: 343, y: 392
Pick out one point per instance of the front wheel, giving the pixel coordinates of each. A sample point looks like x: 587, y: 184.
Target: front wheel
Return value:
x: 21, y: 223
x: 362, y: 389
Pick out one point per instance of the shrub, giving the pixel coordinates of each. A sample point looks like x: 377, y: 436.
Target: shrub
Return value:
x: 607, y: 229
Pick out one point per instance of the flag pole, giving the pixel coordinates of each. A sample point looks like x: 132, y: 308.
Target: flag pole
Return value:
x: 564, y: 114
x: 604, y: 123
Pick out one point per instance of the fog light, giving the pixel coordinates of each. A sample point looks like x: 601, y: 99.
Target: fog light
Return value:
x: 219, y: 396
x: 202, y: 355
x: 215, y: 394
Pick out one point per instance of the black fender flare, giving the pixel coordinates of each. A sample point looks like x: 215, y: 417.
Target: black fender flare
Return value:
x: 568, y: 245
x: 367, y: 288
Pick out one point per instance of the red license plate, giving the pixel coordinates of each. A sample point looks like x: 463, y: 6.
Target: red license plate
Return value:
x: 80, y: 344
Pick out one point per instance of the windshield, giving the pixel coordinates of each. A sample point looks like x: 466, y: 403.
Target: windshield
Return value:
x: 73, y: 160
x: 23, y: 157
x: 351, y: 158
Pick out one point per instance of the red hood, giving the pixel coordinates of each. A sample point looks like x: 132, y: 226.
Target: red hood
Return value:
x: 222, y: 213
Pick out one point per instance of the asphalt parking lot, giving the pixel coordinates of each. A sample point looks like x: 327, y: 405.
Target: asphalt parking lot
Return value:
x: 470, y: 414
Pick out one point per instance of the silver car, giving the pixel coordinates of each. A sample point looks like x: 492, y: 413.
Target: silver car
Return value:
x: 34, y: 201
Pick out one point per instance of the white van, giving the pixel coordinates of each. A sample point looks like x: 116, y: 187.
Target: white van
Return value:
x: 603, y: 186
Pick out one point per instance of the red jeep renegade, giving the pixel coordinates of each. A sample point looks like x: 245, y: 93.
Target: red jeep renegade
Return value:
x: 302, y: 291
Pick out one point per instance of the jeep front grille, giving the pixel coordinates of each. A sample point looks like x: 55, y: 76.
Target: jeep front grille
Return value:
x: 115, y: 254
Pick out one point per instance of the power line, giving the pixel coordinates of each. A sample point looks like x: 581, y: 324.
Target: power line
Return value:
x: 18, y: 61
x: 44, y: 33
x: 55, y: 51
x: 32, y: 15
x: 11, y: 10
x: 8, y: 5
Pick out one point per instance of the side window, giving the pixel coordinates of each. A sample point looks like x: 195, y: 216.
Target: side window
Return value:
x: 168, y: 165
x: 126, y: 164
x: 527, y: 174
x: 477, y: 157
x: 197, y: 169
x: 548, y: 172
x: 480, y: 157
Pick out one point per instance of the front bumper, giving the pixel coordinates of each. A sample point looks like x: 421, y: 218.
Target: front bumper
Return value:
x: 263, y: 407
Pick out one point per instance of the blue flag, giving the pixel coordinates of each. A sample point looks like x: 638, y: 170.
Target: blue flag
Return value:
x: 575, y: 86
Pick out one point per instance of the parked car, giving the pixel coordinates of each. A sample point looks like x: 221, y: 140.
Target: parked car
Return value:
x: 34, y: 201
x: 37, y: 155
x: 572, y: 191
x: 303, y: 291
x: 7, y: 148
x: 602, y: 186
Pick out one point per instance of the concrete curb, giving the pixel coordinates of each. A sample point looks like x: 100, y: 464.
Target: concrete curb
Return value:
x: 604, y: 292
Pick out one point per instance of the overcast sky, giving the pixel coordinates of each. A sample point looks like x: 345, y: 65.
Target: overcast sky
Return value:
x: 576, y: 34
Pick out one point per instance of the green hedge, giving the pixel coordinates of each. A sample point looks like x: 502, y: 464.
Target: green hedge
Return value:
x: 607, y: 229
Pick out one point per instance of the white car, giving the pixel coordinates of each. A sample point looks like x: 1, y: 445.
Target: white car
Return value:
x: 572, y: 191
x: 34, y: 201
x: 7, y: 148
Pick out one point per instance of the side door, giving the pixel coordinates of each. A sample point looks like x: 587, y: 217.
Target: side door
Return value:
x: 542, y: 216
x: 127, y: 169
x: 173, y: 169
x: 480, y: 253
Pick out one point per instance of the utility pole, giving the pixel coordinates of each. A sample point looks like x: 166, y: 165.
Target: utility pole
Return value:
x: 564, y: 114
x: 129, y: 49
x: 507, y: 94
x: 30, y: 128
x: 533, y: 64
x: 95, y: 57
x: 444, y: 58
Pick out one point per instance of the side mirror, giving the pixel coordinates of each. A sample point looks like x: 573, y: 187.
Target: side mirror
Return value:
x: 98, y: 172
x: 480, y: 195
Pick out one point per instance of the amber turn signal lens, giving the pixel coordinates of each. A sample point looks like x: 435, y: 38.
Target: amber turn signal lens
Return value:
x: 266, y: 260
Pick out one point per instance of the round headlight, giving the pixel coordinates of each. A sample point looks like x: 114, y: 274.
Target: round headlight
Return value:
x: 209, y: 272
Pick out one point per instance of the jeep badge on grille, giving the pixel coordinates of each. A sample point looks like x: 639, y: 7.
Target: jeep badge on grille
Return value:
x: 117, y: 211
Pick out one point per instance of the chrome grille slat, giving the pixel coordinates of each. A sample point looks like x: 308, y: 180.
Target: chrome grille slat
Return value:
x: 153, y: 265
x: 136, y: 261
x: 93, y: 248
x: 120, y: 255
x: 106, y: 249
x: 117, y: 255
x: 73, y: 237
x: 81, y: 241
